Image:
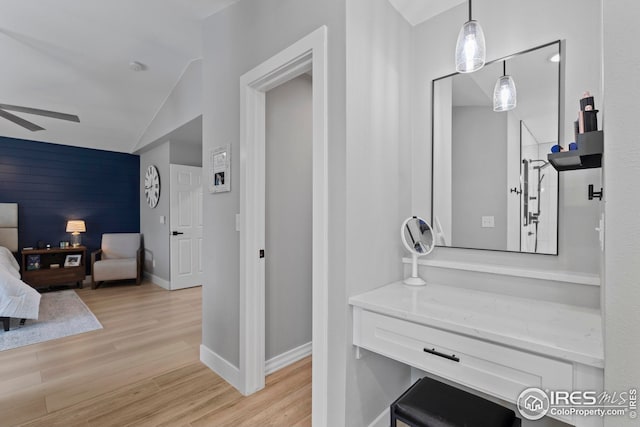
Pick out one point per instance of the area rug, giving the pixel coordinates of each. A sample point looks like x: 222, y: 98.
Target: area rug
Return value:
x: 62, y: 314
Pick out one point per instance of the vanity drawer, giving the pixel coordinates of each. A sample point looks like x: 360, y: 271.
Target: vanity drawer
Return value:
x: 491, y: 368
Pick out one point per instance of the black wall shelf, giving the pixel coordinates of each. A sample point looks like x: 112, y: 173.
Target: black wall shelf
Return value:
x: 587, y: 156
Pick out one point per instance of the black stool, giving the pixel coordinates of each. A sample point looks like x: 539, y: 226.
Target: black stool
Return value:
x: 430, y: 403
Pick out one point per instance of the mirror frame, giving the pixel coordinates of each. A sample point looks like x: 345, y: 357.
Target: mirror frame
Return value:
x: 560, y: 103
x: 404, y: 229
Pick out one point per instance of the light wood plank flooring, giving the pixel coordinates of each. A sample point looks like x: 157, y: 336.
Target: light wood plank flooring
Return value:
x: 142, y: 369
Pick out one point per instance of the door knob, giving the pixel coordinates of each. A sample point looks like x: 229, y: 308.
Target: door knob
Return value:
x: 175, y: 233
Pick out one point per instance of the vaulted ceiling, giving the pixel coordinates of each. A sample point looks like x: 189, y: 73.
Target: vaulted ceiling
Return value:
x: 73, y: 56
x: 418, y: 11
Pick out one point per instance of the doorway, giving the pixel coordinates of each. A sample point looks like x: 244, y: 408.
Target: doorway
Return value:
x: 186, y: 226
x: 288, y: 225
x: 307, y: 55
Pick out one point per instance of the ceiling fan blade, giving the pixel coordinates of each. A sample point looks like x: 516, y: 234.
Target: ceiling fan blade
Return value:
x: 39, y: 112
x: 20, y: 121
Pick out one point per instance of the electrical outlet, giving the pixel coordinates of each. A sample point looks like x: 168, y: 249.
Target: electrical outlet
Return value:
x: 488, y: 222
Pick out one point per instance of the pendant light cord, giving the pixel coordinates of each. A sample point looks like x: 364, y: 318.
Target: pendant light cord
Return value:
x: 469, y: 10
x: 504, y: 68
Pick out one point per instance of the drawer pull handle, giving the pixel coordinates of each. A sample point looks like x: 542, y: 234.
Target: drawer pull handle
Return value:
x: 446, y: 356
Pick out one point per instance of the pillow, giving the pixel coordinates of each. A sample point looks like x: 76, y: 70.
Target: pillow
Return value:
x: 7, y: 260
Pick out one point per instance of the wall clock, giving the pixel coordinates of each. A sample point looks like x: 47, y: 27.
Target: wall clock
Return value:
x: 152, y: 186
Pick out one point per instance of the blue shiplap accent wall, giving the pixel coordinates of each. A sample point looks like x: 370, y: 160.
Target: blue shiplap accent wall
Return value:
x: 54, y: 183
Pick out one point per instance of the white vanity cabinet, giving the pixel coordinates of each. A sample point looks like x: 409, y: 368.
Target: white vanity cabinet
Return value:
x: 492, y: 343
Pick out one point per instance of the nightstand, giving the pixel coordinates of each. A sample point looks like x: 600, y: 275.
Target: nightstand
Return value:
x: 44, y: 275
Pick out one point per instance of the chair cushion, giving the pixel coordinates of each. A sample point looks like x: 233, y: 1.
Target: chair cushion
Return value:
x: 115, y: 269
x: 430, y: 403
x: 120, y: 245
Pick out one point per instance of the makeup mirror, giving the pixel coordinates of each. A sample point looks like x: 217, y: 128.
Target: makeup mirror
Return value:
x: 417, y: 237
x: 492, y: 186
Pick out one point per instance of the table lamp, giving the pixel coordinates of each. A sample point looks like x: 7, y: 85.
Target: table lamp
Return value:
x: 75, y: 227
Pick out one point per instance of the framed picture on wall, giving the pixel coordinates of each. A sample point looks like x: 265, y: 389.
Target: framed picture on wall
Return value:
x: 72, y: 260
x: 220, y: 169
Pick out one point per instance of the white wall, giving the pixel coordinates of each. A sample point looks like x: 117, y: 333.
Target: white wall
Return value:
x: 378, y: 184
x: 156, y: 235
x: 478, y: 190
x: 288, y: 224
x: 622, y: 174
x: 530, y: 24
x: 183, y: 104
x: 185, y: 153
x: 236, y: 40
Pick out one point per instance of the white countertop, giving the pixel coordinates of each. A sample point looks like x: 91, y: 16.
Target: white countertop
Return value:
x: 557, y: 330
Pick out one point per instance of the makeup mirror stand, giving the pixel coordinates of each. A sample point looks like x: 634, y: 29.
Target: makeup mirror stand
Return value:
x: 417, y: 237
x: 414, y: 280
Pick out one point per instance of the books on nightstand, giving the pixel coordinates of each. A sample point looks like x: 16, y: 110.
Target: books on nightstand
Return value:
x: 33, y: 262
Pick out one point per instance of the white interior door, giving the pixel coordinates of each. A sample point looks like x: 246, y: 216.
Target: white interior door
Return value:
x: 186, y: 226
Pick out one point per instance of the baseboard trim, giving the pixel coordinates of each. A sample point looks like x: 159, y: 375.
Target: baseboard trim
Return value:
x: 383, y: 420
x: 220, y: 366
x: 287, y: 358
x: 158, y: 281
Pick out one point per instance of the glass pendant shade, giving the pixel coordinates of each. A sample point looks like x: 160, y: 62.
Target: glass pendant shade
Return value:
x: 470, y: 48
x: 504, y: 94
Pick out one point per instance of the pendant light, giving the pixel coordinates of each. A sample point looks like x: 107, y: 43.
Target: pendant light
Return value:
x: 504, y: 93
x: 470, y: 48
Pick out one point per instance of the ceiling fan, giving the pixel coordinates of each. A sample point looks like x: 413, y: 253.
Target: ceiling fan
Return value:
x: 27, y: 124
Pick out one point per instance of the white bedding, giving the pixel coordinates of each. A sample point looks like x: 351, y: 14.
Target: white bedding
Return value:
x: 17, y: 299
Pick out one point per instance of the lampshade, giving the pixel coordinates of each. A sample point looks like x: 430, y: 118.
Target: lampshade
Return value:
x: 76, y: 226
x: 504, y: 93
x: 470, y: 48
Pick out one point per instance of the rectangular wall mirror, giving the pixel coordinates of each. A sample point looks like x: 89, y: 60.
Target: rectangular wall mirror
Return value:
x: 492, y: 185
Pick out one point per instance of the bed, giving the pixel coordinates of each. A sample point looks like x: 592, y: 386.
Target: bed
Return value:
x: 17, y: 299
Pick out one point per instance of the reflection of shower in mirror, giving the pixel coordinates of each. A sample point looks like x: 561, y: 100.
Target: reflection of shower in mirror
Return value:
x: 533, y: 203
x: 538, y: 227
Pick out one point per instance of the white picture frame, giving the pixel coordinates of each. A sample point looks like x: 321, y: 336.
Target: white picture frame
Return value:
x: 220, y: 169
x: 73, y: 260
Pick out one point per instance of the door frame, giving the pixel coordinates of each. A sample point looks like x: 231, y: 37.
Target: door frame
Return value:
x: 307, y: 54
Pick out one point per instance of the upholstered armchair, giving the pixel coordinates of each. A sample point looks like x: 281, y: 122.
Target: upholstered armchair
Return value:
x: 119, y: 258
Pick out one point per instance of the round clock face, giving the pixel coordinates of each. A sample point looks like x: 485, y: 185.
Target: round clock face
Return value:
x: 152, y: 186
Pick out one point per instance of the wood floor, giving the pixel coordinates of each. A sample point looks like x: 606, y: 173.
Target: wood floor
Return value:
x: 142, y: 369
